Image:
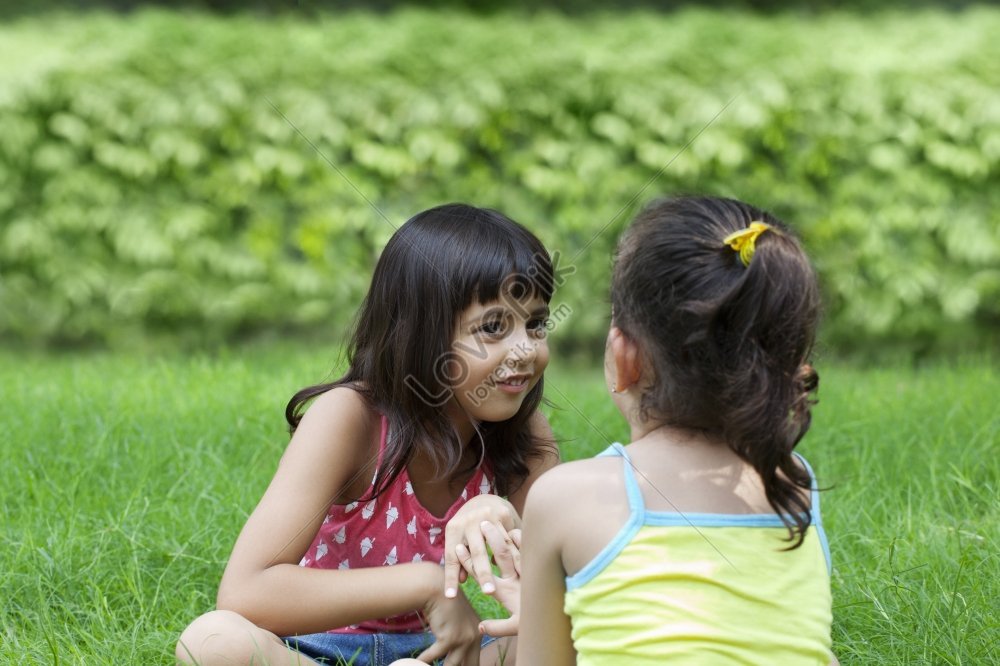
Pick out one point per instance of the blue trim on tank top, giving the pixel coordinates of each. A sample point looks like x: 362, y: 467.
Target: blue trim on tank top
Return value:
x: 640, y: 517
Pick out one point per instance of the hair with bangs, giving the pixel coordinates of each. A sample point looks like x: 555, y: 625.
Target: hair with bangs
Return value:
x: 728, y: 344
x: 435, y: 265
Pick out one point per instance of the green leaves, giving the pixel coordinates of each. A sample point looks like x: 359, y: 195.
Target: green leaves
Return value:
x: 168, y: 173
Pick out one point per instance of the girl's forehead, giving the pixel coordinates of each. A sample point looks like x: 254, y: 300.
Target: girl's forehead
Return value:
x: 506, y: 303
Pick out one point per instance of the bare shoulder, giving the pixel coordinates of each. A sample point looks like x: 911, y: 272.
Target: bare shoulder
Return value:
x: 338, y: 426
x: 599, y: 465
x: 577, y: 508
x: 341, y: 402
x: 575, y: 481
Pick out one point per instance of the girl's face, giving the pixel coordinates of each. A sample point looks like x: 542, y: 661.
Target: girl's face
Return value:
x: 498, y: 354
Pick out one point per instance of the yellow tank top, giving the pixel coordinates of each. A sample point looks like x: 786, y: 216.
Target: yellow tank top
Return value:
x: 702, y: 589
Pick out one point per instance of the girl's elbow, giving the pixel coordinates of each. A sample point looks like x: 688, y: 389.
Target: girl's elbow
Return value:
x: 235, y: 598
x: 228, y: 601
x: 246, y: 607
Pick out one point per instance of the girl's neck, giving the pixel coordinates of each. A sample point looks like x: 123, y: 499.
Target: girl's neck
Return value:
x: 465, y: 427
x: 471, y: 445
x: 663, y: 434
x: 654, y: 427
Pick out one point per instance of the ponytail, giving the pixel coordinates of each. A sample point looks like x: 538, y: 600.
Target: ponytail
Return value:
x: 760, y: 326
x: 727, y: 303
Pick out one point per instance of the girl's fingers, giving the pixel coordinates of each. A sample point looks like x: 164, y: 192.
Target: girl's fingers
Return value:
x: 477, y: 561
x: 464, y: 558
x: 470, y: 557
x: 458, y: 562
x: 432, y: 654
x: 505, y: 553
x: 452, y: 568
x: 454, y: 574
x: 515, y: 535
x: 503, y: 627
x: 463, y: 529
x: 467, y: 557
x: 453, y: 657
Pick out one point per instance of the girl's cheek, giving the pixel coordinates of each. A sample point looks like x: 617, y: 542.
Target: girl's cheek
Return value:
x: 542, y: 355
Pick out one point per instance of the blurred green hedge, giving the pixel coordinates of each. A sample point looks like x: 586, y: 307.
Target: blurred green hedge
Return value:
x: 572, y: 7
x: 204, y: 179
x: 11, y: 8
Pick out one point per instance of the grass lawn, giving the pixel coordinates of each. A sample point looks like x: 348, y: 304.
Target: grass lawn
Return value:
x: 125, y: 481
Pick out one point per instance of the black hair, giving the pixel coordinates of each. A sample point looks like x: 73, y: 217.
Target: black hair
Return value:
x: 728, y: 343
x: 435, y: 265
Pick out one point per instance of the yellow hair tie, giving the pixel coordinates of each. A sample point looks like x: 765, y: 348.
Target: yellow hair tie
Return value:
x: 743, y: 241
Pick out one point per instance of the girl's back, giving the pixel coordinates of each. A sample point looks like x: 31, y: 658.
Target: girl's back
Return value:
x: 679, y: 556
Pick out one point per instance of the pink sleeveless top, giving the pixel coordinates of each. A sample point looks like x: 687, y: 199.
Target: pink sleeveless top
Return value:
x: 393, y: 528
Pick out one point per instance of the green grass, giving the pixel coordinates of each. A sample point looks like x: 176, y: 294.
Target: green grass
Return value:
x: 125, y: 481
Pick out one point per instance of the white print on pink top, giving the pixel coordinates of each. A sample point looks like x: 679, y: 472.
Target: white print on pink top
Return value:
x: 389, y: 529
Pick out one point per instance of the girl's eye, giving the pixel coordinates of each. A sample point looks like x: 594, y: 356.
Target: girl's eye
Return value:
x: 494, y: 327
x: 538, y: 326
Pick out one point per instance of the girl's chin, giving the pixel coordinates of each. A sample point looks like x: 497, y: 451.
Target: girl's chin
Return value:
x: 491, y: 412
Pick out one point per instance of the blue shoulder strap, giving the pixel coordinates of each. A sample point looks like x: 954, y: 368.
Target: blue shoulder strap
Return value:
x: 817, y: 519
x: 814, y: 494
x: 635, y: 503
x: 627, y: 531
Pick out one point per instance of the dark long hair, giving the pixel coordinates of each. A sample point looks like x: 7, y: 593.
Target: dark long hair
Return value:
x: 432, y: 268
x: 729, y: 343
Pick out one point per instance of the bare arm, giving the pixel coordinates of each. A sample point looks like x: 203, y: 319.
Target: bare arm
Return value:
x: 544, y: 636
x: 263, y: 581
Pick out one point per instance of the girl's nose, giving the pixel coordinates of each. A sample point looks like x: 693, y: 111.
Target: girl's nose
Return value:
x: 524, y: 348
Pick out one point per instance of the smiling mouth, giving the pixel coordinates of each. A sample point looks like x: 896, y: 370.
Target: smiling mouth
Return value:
x: 514, y: 384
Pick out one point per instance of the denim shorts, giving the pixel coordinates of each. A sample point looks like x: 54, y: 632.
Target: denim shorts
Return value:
x: 363, y: 649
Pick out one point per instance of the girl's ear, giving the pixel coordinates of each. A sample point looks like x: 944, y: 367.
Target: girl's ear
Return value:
x: 626, y: 355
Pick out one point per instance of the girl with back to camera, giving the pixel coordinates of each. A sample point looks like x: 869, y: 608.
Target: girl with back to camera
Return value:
x: 407, y: 452
x: 699, y: 542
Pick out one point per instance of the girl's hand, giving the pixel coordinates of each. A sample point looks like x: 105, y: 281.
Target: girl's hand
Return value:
x: 464, y: 529
x: 456, y: 633
x: 507, y: 553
